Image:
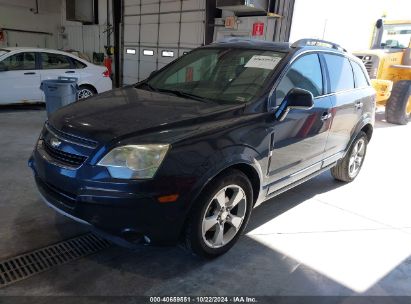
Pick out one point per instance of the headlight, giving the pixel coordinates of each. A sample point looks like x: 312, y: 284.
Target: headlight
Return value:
x: 134, y: 161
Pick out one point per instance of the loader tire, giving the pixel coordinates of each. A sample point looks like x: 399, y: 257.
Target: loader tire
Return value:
x: 397, y: 110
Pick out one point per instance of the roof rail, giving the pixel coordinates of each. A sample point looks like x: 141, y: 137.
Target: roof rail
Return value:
x: 317, y: 42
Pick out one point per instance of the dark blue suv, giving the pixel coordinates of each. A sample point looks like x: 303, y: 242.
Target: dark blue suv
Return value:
x: 187, y: 153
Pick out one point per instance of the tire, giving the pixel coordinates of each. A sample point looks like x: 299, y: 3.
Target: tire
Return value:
x: 86, y: 91
x: 202, y: 233
x: 344, y: 170
x: 398, y: 109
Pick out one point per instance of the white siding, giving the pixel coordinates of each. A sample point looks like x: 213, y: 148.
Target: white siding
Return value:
x: 16, y: 14
x: 85, y: 38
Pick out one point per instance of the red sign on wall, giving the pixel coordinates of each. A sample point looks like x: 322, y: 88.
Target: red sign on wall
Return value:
x: 189, y: 74
x: 258, y: 29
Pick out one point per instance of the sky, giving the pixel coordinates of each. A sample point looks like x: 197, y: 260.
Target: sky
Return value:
x: 348, y: 23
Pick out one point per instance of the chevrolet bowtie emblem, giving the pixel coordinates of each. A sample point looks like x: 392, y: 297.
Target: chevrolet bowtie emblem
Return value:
x: 55, y: 143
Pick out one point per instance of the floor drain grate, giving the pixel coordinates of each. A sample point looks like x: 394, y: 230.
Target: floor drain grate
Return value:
x: 28, y: 264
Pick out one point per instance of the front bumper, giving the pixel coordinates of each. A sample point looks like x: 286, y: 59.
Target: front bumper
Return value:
x: 117, y: 208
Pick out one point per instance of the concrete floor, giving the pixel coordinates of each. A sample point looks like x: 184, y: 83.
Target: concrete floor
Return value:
x: 321, y: 238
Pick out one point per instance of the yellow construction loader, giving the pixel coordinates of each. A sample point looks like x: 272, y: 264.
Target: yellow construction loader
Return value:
x: 388, y: 63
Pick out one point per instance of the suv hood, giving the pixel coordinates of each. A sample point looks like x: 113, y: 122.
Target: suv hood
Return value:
x: 129, y: 111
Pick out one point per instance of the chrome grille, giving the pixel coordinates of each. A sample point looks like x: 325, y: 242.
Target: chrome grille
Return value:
x: 370, y: 63
x: 71, y: 138
x: 64, y: 158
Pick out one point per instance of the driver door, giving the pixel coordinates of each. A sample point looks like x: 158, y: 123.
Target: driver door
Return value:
x: 298, y: 142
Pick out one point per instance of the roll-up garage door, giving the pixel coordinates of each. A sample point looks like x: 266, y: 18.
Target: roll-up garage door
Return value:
x: 156, y: 32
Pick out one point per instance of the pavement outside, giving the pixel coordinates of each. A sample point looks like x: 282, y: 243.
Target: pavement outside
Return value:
x: 320, y: 238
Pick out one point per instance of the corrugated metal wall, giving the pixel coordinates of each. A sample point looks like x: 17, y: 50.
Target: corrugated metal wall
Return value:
x: 176, y: 26
x: 156, y: 32
x: 285, y: 8
x: 85, y: 38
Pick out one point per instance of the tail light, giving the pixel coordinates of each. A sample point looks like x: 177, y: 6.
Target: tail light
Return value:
x: 106, y: 73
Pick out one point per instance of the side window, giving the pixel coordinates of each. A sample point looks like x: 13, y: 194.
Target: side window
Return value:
x: 359, y: 76
x: 55, y: 61
x: 21, y: 61
x: 78, y: 64
x: 341, y: 74
x: 305, y: 73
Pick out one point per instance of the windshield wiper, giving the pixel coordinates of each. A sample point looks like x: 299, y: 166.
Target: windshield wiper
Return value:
x: 175, y: 92
x: 183, y: 94
x: 145, y: 83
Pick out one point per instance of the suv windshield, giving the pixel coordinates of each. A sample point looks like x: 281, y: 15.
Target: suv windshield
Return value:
x: 396, y: 36
x: 221, y: 75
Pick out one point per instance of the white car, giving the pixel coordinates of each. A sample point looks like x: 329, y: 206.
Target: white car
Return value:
x: 23, y: 69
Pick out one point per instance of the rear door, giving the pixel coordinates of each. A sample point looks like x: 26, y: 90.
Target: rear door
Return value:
x: 21, y: 81
x: 56, y: 65
x: 364, y: 95
x: 344, y: 110
x: 298, y: 142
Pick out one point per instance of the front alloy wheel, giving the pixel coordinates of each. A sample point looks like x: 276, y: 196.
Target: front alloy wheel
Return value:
x: 224, y: 215
x: 219, y: 215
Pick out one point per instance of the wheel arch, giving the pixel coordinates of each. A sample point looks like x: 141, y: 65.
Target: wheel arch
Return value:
x: 239, y: 157
x: 251, y: 174
x: 250, y: 169
x: 369, y: 130
x: 365, y: 126
x: 88, y: 85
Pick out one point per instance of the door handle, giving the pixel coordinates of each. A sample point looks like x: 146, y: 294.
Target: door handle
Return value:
x: 30, y: 73
x: 359, y: 105
x: 70, y: 72
x: 326, y: 116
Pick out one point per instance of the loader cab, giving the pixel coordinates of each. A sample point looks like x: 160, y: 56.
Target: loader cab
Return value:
x: 391, y: 35
x: 388, y: 64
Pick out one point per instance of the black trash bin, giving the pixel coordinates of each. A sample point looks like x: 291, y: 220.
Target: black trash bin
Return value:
x: 59, y: 93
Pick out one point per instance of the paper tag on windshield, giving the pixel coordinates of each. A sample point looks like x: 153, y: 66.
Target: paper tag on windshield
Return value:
x: 263, y: 62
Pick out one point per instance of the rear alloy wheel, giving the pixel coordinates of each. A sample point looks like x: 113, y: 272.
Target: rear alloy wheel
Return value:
x: 356, y: 158
x: 349, y: 167
x: 220, y: 215
x: 85, y: 92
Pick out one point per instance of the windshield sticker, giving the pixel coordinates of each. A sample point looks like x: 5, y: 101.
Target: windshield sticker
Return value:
x: 263, y: 62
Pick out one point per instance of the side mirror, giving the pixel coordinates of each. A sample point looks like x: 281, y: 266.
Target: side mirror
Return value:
x: 295, y: 99
x: 3, y: 67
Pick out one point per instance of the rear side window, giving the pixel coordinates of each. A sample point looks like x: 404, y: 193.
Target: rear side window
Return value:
x: 55, y: 61
x: 359, y: 76
x: 21, y: 61
x: 305, y: 73
x: 78, y: 64
x: 341, y: 75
